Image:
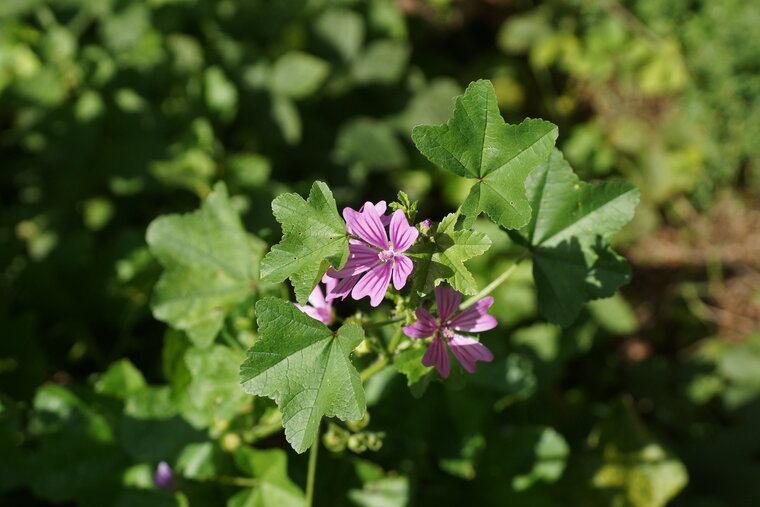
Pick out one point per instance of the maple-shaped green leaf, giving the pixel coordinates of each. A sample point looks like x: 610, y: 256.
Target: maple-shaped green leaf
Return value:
x: 314, y: 237
x: 569, y: 234
x: 210, y: 266
x: 477, y: 143
x: 440, y: 257
x: 305, y: 368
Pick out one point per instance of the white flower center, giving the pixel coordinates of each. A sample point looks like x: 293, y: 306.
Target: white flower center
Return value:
x: 447, y: 333
x: 386, y: 255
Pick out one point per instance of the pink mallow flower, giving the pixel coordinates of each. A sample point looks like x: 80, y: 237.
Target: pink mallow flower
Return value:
x: 373, y: 260
x: 319, y: 308
x: 474, y: 320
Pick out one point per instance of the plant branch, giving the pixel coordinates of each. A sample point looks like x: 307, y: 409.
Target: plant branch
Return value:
x: 262, y: 431
x: 312, y: 470
x: 243, y: 482
x: 493, y: 285
x: 372, y: 325
x: 375, y: 367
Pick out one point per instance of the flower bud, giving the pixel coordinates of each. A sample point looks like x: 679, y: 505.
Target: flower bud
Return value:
x: 357, y: 443
x: 164, y: 477
x: 335, y: 438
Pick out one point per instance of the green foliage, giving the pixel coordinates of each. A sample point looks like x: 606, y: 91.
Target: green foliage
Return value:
x: 637, y: 470
x: 314, y: 237
x: 211, y: 265
x: 117, y: 112
x: 270, y: 470
x: 476, y: 143
x: 305, y: 367
x: 441, y: 255
x: 569, y: 234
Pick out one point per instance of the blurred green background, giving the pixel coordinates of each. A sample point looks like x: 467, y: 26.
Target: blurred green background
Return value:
x: 113, y: 112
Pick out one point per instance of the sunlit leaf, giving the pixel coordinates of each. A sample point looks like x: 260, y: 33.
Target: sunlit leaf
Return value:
x: 477, y: 144
x: 440, y: 257
x: 314, y: 237
x: 305, y: 367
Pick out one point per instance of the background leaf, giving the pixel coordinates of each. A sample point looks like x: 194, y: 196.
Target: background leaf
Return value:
x: 210, y: 266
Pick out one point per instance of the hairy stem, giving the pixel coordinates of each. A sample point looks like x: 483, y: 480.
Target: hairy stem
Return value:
x: 232, y: 341
x: 312, y: 470
x: 395, y: 341
x: 375, y: 367
x: 264, y: 430
x: 493, y: 285
x: 372, y: 325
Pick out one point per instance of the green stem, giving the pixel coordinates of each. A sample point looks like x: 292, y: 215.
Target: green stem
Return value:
x: 372, y: 325
x: 232, y: 341
x: 493, y: 285
x: 312, y: 471
x: 384, y: 359
x: 243, y: 482
x: 395, y: 341
x: 375, y: 367
x: 263, y: 431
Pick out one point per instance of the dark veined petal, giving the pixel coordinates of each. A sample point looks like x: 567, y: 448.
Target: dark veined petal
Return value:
x: 401, y: 271
x: 373, y: 284
x: 366, y: 225
x: 437, y: 355
x: 468, y: 350
x: 475, y: 319
x: 447, y: 300
x: 402, y: 234
x: 425, y: 326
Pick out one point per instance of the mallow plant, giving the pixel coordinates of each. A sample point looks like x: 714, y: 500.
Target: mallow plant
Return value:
x: 409, y: 277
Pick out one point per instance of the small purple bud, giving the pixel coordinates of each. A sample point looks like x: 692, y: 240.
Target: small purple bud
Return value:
x: 426, y: 223
x: 164, y: 477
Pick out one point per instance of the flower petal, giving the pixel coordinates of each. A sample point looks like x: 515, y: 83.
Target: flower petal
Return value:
x: 468, y: 351
x: 424, y: 327
x: 315, y: 313
x: 402, y: 234
x: 437, y: 355
x: 374, y: 284
x: 342, y: 286
x: 447, y: 300
x: 366, y: 225
x: 330, y: 284
x: 401, y: 271
x: 361, y: 258
x: 475, y: 319
x: 316, y: 298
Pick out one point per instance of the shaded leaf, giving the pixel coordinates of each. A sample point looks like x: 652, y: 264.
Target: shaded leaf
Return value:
x: 210, y: 266
x: 297, y: 75
x: 569, y: 233
x: 270, y: 468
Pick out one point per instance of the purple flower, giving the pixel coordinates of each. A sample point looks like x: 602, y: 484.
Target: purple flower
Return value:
x: 467, y: 350
x: 373, y: 260
x: 164, y: 477
x: 320, y: 308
